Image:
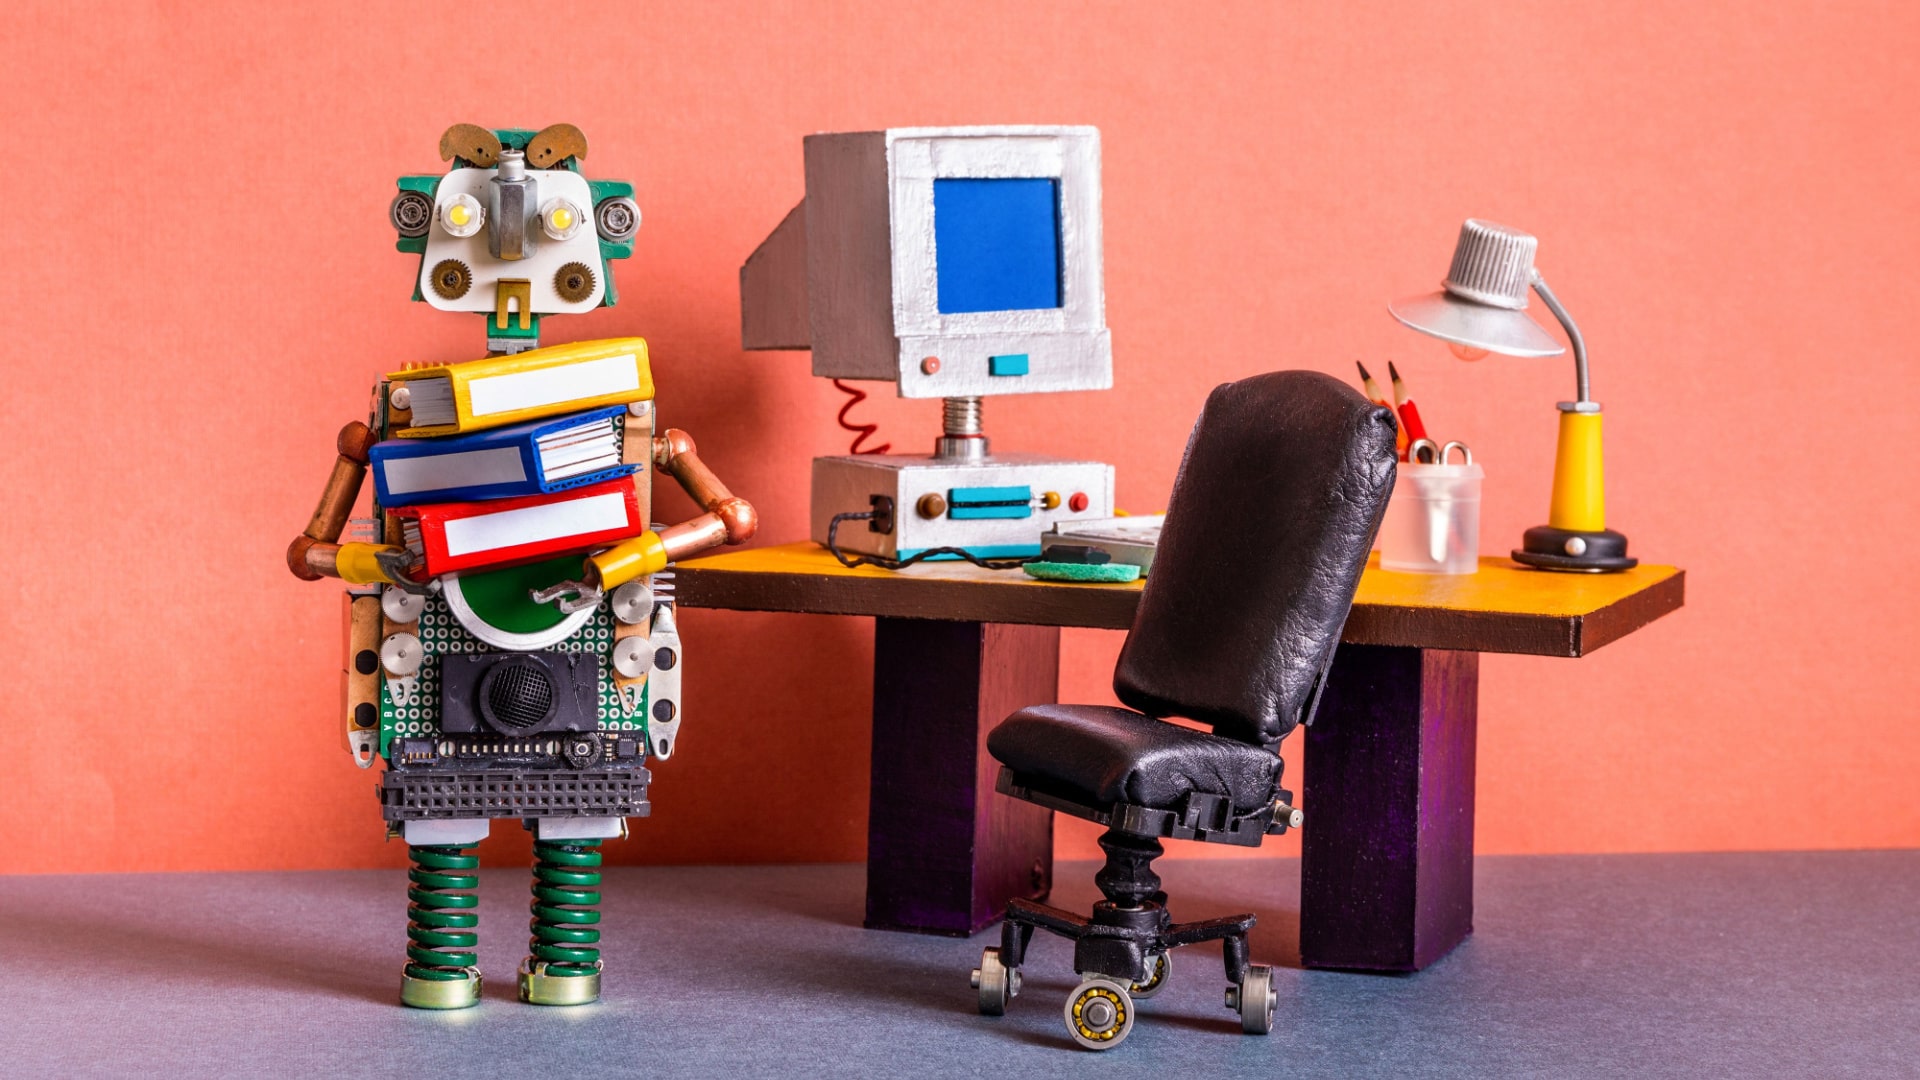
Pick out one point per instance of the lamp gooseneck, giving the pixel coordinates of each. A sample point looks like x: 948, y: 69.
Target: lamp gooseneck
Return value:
x: 1585, y: 397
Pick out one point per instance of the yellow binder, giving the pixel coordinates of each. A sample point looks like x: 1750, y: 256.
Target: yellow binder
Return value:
x: 451, y: 399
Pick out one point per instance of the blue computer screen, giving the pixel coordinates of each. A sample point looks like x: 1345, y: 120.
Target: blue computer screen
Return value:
x: 997, y: 244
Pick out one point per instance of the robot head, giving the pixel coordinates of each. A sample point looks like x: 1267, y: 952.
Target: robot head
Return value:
x: 514, y: 230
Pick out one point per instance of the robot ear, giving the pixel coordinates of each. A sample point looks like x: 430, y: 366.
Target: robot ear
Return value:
x: 555, y: 144
x: 471, y: 142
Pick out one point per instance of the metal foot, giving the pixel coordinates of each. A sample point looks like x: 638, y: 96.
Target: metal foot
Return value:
x: 537, y: 987
x: 440, y: 993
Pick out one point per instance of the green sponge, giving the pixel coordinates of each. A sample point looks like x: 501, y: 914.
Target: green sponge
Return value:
x: 1068, y: 571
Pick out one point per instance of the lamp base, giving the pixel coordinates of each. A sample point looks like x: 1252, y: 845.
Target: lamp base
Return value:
x: 1547, y: 548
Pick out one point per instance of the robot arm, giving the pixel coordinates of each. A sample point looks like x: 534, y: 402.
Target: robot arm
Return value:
x: 317, y: 552
x: 728, y: 519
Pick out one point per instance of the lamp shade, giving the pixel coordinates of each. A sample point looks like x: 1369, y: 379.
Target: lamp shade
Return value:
x: 1483, y: 302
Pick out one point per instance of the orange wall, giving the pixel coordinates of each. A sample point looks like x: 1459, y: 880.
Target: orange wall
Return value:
x: 202, y: 285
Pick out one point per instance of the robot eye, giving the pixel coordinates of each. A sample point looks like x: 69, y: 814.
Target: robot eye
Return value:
x: 559, y: 219
x: 463, y: 215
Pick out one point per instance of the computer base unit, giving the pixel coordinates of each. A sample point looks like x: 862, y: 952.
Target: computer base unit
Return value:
x: 994, y: 507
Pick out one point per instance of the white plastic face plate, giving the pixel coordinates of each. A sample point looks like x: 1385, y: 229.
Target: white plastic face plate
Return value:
x: 549, y: 254
x: 1067, y: 347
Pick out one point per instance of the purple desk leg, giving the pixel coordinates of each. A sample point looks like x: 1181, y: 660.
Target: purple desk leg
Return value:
x: 1387, y: 861
x: 945, y: 852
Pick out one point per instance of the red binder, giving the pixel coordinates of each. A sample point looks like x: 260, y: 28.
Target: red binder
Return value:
x: 506, y: 532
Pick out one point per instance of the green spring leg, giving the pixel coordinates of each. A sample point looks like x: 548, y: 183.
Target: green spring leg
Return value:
x: 563, y: 962
x: 441, y: 916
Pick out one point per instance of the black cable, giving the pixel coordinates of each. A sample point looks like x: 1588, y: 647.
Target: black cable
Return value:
x: 833, y: 530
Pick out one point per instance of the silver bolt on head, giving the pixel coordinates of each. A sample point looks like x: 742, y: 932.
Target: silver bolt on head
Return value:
x: 1576, y: 545
x: 1492, y: 265
x: 400, y: 397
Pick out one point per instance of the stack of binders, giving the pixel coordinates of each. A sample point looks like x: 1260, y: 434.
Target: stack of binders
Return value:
x: 513, y: 459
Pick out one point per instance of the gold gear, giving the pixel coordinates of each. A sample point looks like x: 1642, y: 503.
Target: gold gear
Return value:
x: 450, y: 279
x: 574, y: 282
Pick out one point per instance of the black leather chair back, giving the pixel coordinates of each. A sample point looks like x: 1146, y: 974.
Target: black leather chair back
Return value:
x: 1273, y: 512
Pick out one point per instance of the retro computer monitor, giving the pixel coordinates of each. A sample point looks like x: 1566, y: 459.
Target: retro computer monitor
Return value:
x: 955, y: 263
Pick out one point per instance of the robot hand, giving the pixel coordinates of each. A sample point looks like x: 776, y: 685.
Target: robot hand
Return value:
x: 401, y: 568
x: 728, y: 520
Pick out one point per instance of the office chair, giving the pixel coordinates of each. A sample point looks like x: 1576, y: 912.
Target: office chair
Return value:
x: 1275, y: 507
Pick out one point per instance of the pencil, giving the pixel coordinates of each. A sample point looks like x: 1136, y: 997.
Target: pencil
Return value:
x: 1409, y: 412
x: 1373, y: 394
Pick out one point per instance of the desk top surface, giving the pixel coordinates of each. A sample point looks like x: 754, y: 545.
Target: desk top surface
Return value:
x: 1503, y: 608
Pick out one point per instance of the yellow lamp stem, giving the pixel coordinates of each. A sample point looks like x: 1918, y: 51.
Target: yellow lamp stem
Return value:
x: 1579, y: 499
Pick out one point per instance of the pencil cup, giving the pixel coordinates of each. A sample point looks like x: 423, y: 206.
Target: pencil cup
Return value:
x: 1433, y: 520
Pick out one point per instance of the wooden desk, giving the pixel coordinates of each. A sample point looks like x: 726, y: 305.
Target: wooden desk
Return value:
x: 1387, y: 871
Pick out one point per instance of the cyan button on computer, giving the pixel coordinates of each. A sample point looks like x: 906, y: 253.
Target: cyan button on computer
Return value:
x: 989, y: 503
x: 1011, y: 364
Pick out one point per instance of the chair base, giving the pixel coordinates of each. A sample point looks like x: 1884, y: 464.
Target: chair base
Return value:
x: 1122, y: 952
x: 1119, y: 942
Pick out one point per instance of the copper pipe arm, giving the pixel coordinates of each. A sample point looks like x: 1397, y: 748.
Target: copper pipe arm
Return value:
x: 690, y: 538
x: 725, y: 519
x: 311, y: 555
x: 728, y: 519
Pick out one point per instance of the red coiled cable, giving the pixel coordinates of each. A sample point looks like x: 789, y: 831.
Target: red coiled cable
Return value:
x: 861, y: 432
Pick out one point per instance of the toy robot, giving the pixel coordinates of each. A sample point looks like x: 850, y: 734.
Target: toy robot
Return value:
x: 510, y: 642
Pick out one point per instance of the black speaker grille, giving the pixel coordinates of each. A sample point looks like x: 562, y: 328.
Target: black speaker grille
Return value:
x: 517, y: 696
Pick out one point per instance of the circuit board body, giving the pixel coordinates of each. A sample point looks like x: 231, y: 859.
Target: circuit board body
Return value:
x: 491, y: 705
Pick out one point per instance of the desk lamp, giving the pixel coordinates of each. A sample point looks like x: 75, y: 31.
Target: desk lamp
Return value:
x: 1482, y: 309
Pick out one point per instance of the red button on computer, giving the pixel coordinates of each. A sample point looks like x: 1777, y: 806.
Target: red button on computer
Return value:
x: 1077, y: 502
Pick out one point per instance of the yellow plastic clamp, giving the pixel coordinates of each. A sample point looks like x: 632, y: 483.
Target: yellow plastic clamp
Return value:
x: 358, y: 563
x: 644, y: 554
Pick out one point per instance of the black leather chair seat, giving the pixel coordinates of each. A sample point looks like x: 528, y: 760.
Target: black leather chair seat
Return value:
x: 1105, y: 755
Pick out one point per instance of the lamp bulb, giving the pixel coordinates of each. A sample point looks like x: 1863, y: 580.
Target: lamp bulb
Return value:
x: 1466, y: 352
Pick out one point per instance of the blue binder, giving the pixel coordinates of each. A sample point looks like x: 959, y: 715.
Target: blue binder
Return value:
x: 499, y: 463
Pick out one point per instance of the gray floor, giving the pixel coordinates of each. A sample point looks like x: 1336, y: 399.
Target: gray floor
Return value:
x: 1721, y: 965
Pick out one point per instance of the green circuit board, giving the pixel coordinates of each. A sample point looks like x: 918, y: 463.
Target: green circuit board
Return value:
x: 441, y: 633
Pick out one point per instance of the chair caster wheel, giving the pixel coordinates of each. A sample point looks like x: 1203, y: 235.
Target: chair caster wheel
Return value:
x: 997, y: 983
x: 1254, y: 1000
x: 1099, y: 1013
x: 1159, y: 970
